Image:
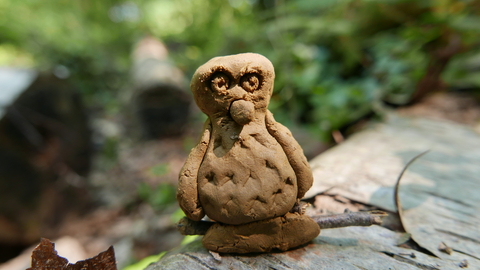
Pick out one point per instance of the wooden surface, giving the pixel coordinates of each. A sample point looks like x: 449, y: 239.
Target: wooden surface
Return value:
x: 438, y: 194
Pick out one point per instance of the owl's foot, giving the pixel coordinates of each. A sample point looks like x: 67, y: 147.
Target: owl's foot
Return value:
x: 281, y: 233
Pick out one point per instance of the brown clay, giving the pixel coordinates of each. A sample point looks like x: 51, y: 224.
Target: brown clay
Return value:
x: 280, y: 233
x: 247, y: 172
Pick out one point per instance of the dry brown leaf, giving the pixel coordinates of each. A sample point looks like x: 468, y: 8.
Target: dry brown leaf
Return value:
x: 45, y: 257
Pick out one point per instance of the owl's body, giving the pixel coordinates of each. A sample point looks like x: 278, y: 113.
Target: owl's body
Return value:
x: 247, y: 172
x: 245, y: 179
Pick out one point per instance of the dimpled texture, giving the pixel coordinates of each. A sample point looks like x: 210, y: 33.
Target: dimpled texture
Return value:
x: 251, y: 181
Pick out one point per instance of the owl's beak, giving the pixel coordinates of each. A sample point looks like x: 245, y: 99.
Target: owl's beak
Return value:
x: 242, y: 111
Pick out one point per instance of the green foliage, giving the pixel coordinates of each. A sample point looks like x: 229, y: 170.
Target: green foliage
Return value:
x: 158, y: 197
x: 110, y: 148
x: 177, y: 215
x: 79, y: 35
x: 143, y: 263
x: 333, y: 59
x: 189, y: 239
x: 159, y: 170
x: 464, y: 71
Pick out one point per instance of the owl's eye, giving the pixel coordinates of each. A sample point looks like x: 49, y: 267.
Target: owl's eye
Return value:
x: 250, y: 82
x: 219, y: 82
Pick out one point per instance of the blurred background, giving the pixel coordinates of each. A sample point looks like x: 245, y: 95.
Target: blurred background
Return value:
x: 96, y: 115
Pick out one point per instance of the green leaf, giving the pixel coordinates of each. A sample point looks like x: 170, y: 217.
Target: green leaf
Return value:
x: 159, y: 170
x: 142, y: 264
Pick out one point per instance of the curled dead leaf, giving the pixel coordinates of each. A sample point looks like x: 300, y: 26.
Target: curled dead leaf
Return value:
x: 45, y: 257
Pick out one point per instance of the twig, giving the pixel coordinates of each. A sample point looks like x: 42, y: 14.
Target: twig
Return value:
x: 350, y: 219
x: 397, y: 185
x: 190, y: 227
x: 187, y: 226
x: 300, y: 207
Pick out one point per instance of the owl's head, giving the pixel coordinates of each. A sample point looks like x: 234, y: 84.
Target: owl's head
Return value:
x: 246, y: 77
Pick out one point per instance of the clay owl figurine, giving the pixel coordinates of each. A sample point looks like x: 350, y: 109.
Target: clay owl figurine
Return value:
x: 247, y: 172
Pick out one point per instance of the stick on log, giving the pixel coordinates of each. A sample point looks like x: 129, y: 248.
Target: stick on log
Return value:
x: 189, y: 227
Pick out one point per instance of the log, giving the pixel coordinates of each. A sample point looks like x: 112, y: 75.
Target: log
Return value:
x: 159, y: 99
x: 44, y: 133
x: 438, y: 191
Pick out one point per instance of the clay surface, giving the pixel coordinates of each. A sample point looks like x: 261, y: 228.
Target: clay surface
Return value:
x: 247, y: 168
x: 279, y: 233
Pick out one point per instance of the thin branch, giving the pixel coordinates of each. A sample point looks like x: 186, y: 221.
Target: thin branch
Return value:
x: 397, y: 185
x: 350, y: 219
x: 189, y: 227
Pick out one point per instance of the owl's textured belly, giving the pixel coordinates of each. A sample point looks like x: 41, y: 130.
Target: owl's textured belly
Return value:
x: 251, y: 181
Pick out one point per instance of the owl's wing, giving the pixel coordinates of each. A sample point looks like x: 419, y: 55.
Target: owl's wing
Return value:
x: 187, y: 191
x: 294, y: 153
